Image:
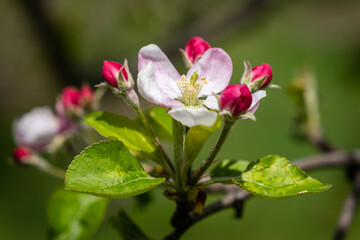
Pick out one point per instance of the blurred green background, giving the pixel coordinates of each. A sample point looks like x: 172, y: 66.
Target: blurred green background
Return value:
x: 46, y: 45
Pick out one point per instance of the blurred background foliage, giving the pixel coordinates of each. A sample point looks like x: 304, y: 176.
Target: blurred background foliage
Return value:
x: 46, y: 45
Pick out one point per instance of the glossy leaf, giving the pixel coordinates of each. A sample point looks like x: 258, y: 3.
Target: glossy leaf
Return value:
x: 108, y: 169
x: 275, y: 177
x: 229, y: 168
x: 196, y: 138
x: 123, y: 129
x: 127, y: 228
x: 161, y: 122
x: 73, y: 215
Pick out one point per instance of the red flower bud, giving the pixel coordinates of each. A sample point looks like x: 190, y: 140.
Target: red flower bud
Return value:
x: 21, y: 154
x: 195, y: 48
x: 86, y: 96
x: 259, y: 72
x: 70, y: 97
x: 110, y: 73
x: 236, y: 99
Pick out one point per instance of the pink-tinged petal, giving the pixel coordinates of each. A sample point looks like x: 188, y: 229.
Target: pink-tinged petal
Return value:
x: 165, y: 74
x: 211, y: 102
x: 216, y: 66
x: 149, y: 88
x: 190, y: 116
x: 195, y: 48
x: 256, y: 97
x: 36, y: 129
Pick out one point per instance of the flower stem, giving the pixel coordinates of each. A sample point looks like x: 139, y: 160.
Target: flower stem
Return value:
x: 45, y: 166
x: 132, y: 100
x: 178, y: 136
x: 228, y: 123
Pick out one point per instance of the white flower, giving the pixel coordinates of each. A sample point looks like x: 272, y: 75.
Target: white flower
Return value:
x: 187, y: 96
x: 36, y: 129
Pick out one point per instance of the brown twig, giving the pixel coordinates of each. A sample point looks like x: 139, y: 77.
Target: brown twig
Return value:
x: 348, y: 211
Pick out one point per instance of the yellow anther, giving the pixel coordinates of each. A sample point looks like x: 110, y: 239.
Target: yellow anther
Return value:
x: 190, y: 88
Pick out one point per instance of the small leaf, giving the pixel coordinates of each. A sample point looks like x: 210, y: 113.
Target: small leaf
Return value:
x: 229, y: 168
x: 275, y: 177
x: 196, y: 138
x: 127, y: 228
x: 161, y: 122
x: 123, y: 129
x: 108, y: 169
x: 74, y: 215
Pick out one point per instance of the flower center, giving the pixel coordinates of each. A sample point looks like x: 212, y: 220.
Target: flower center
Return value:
x: 191, y: 89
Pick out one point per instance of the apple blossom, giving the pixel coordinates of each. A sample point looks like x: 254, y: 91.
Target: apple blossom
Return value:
x: 36, y: 129
x: 186, y: 95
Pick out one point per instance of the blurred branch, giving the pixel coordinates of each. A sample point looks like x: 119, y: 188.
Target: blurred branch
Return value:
x: 235, y: 196
x: 348, y: 211
x: 53, y: 43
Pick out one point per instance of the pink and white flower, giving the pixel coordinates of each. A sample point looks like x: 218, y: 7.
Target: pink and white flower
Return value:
x: 36, y: 129
x: 186, y: 95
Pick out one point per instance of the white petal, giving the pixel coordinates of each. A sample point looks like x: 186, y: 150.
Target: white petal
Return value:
x: 37, y: 128
x: 190, y: 116
x: 165, y: 74
x: 216, y: 66
x: 211, y: 102
x: 149, y: 88
x: 256, y: 97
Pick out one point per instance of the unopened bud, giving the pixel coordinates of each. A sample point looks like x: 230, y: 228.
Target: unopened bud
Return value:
x: 194, y: 49
x: 261, y: 76
x: 21, y: 155
x: 117, y: 75
x: 87, y: 97
x: 236, y: 99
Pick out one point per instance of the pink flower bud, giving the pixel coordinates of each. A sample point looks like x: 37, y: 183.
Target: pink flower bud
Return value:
x: 110, y: 73
x: 21, y: 154
x: 196, y: 47
x: 87, y: 96
x: 261, y: 71
x: 236, y: 99
x: 70, y: 97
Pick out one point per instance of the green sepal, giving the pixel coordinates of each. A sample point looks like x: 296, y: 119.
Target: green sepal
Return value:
x: 73, y: 215
x: 274, y: 177
x: 127, y: 228
x: 128, y: 131
x: 108, y: 169
x: 196, y: 138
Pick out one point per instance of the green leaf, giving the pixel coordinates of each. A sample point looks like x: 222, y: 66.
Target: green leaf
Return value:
x: 127, y: 228
x: 229, y: 168
x: 275, y: 177
x: 108, y: 169
x: 123, y: 129
x: 161, y: 122
x: 196, y: 138
x: 74, y: 215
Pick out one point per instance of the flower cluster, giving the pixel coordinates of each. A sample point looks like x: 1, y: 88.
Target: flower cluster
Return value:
x: 37, y: 130
x: 194, y: 98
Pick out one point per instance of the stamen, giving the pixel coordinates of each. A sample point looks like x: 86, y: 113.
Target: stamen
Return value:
x: 191, y: 89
